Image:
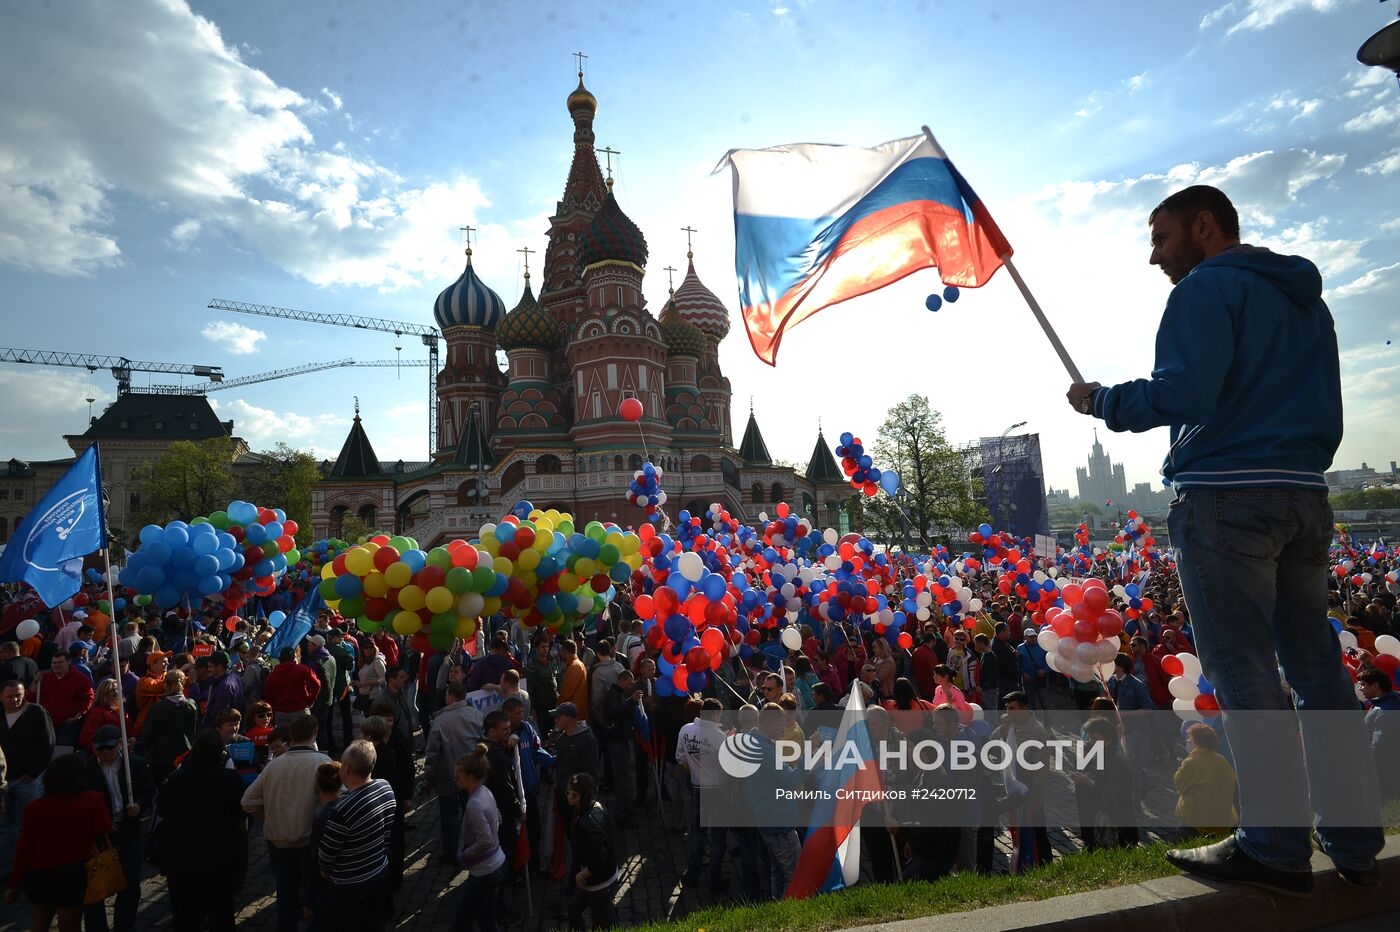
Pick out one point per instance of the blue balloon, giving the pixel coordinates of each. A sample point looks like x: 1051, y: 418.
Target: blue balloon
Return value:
x: 176, y: 536
x: 157, y: 554
x: 951, y: 294
x: 206, y: 565
x: 713, y: 586
x: 889, y: 481
x: 152, y: 533
x: 276, y: 618
x: 255, y: 534
x: 933, y: 302
x: 273, y: 530
x: 182, y: 558
x: 166, y: 597
x: 149, y: 579
x: 204, y: 543
x: 985, y: 530
x: 209, y: 585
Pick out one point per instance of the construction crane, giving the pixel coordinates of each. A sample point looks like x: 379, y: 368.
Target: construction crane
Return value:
x: 120, y: 367
x: 310, y: 367
x: 428, y: 334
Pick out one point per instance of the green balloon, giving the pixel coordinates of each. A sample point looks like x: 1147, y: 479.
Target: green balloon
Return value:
x: 200, y: 520
x: 483, y: 578
x: 595, y: 531
x: 294, y: 557
x: 401, y: 544
x: 459, y: 580
x: 439, y: 557
x: 355, y: 605
x: 367, y: 626
x: 608, y: 554
x: 441, y: 640
x: 327, y: 589
x: 220, y: 520
x: 443, y: 621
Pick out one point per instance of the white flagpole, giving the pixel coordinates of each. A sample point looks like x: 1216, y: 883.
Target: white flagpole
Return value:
x: 1030, y: 298
x: 112, y: 626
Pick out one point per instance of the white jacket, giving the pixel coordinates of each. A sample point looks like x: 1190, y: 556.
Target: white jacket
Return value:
x: 284, y: 797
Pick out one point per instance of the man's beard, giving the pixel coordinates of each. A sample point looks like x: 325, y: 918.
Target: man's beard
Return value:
x: 1190, y: 256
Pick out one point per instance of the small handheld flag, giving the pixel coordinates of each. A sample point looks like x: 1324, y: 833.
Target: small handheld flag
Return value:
x: 47, y: 547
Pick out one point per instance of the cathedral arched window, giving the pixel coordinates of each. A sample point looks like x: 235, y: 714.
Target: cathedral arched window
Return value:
x: 634, y: 461
x: 548, y: 465
x: 338, y: 514
x: 368, y: 514
x: 617, y: 463
x: 757, y: 492
x: 777, y: 491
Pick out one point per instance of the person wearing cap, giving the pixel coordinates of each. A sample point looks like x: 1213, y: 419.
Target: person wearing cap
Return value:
x: 169, y: 728
x: 320, y: 662
x: 127, y: 803
x: 344, y: 659
x: 225, y: 689
x: 577, y: 751
x: 1035, y: 672
x: 66, y: 695
x: 151, y: 689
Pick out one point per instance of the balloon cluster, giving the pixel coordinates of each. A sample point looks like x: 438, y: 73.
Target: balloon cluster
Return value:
x: 1135, y: 532
x: 950, y: 294
x: 390, y: 580
x: 322, y: 552
x: 645, y: 491
x: 865, y: 476
x: 1082, y: 639
x: 1193, y: 698
x: 1137, y: 603
x: 553, y: 574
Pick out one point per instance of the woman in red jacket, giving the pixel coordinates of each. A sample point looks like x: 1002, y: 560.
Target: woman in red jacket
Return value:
x: 56, y: 834
x: 291, y: 687
x: 103, y: 712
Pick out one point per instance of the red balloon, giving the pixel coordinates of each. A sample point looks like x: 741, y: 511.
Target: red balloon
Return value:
x: 1207, y: 706
x: 682, y: 672
x: 1071, y: 594
x: 643, y: 606
x: 1096, y: 600
x: 1387, y: 664
x: 464, y: 556
x: 290, y: 527
x: 1110, y: 623
x: 631, y: 410
x: 906, y: 640
x: 1172, y: 665
x: 697, y: 660
x: 384, y: 558
x: 1086, y: 631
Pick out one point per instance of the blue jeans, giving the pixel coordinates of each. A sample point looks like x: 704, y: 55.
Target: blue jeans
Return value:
x: 18, y: 794
x: 697, y: 844
x: 783, y: 850
x: 287, y: 867
x: 1253, y: 570
x: 481, y: 899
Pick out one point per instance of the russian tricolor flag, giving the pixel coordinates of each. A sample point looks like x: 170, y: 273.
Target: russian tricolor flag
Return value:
x: 815, y: 225
x: 830, y: 857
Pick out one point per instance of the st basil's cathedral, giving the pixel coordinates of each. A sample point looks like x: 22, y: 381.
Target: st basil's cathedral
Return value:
x: 547, y: 429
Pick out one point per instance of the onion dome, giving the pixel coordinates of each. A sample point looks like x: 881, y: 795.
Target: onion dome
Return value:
x: 582, y: 98
x: 529, y: 326
x: 467, y: 302
x: 612, y: 235
x: 682, y: 337
x: 699, y: 306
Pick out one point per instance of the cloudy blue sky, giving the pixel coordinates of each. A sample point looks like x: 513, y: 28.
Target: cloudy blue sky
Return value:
x: 323, y: 155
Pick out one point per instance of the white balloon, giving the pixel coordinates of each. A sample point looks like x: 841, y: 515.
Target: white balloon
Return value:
x: 1186, y: 710
x: 1108, y: 649
x: 975, y: 605
x: 1190, y: 666
x: 1048, y: 640
x: 830, y: 536
x: 1347, y: 639
x: 922, y: 614
x: 1082, y: 673
x: 1120, y: 592
x: 1038, y: 576
x: 1106, y: 671
x: 792, y: 639
x: 976, y: 709
x: 1388, y: 644
x: 469, y: 605
x: 1065, y: 648
x: 1053, y: 662
x: 1086, y: 652
x: 691, y: 566
x: 1054, y: 571
x: 1183, y: 689
x: 832, y: 562
x: 1366, y: 578
x: 26, y: 629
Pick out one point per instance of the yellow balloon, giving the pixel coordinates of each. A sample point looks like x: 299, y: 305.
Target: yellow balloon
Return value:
x: 631, y: 543
x: 332, y: 603
x: 530, y: 580
x: 545, y: 525
x: 614, y: 538
x: 490, y: 545
x: 544, y: 541
x: 359, y: 561
x: 371, y: 546
x: 634, y: 560
x: 439, y: 599
x: 490, y: 606
x: 376, y: 586
x: 407, y: 623
x: 328, y: 571
x: 466, y: 628
x: 412, y: 598
x: 585, y: 567
x: 568, y: 582
x: 398, y: 575
x: 528, y: 559
x: 503, y: 566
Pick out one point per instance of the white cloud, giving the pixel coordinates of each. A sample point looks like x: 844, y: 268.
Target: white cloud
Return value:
x: 153, y: 104
x: 1387, y: 165
x: 55, y: 403
x: 233, y: 338
x: 336, y: 101
x: 1373, y: 281
x: 1137, y: 82
x: 1216, y: 15
x: 1390, y: 226
x: 1375, y: 118
x: 1334, y: 257
x: 1366, y: 78
x: 1261, y: 14
x: 264, y: 427
x: 1297, y: 107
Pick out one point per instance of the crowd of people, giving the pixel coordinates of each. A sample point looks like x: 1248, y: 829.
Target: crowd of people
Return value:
x: 540, y: 748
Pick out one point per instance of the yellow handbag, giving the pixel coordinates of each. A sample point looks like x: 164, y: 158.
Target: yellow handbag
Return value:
x: 104, y: 872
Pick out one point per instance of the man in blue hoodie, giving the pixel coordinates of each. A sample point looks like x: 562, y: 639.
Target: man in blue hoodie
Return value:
x: 1247, y: 379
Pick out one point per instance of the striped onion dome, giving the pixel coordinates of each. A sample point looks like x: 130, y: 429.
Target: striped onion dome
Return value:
x: 682, y: 337
x: 529, y: 326
x: 467, y: 302
x: 699, y: 306
x: 612, y: 235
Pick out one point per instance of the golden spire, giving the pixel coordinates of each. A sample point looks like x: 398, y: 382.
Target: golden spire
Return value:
x: 609, y: 152
x: 689, y: 250
x: 670, y: 271
x: 468, y: 230
x: 526, y: 250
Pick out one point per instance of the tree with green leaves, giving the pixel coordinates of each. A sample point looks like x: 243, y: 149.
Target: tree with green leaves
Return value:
x: 190, y: 479
x: 1366, y: 499
x: 938, y: 489
x: 283, y: 480
x: 352, y: 529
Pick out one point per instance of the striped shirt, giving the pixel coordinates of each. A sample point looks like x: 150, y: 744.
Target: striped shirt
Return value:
x: 355, y: 842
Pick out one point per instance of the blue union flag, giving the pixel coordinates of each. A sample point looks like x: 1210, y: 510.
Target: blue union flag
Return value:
x: 47, y: 547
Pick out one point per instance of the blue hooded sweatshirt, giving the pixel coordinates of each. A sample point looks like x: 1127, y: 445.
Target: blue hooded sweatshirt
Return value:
x: 1246, y: 376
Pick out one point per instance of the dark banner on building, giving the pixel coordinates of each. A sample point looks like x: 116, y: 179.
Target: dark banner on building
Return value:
x: 1015, y: 484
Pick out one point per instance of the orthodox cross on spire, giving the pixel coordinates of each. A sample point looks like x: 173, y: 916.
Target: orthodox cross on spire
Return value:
x: 689, y: 249
x: 608, y: 153
x: 357, y: 407
x: 580, y: 56
x: 670, y: 271
x: 468, y: 231
x: 526, y: 250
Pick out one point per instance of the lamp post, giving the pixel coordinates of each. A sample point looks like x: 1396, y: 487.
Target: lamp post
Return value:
x: 1382, y: 50
x: 1001, y: 446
